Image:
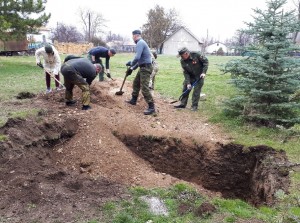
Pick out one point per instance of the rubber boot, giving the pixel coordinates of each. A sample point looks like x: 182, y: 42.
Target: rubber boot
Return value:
x: 194, y: 108
x: 86, y: 107
x: 70, y: 102
x: 133, y: 100
x: 179, y: 106
x: 150, y: 109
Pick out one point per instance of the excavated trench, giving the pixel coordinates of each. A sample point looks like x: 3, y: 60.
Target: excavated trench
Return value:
x: 253, y: 174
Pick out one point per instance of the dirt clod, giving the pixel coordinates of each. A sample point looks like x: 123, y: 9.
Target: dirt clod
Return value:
x: 24, y: 95
x: 205, y: 209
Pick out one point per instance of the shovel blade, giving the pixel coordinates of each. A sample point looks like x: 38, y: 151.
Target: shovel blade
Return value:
x: 119, y: 92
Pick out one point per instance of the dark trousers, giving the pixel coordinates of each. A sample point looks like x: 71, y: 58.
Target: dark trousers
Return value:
x: 48, y: 80
x: 195, y: 95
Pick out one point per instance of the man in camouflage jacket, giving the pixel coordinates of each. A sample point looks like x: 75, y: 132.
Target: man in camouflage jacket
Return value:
x: 194, y: 67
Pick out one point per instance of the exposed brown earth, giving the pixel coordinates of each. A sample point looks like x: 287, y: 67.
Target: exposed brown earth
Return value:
x: 65, y: 163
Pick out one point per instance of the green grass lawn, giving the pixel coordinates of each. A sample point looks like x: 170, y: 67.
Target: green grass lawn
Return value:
x: 20, y: 73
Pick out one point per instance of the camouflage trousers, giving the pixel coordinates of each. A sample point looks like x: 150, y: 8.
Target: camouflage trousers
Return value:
x: 141, y: 82
x: 152, y: 77
x: 71, y: 79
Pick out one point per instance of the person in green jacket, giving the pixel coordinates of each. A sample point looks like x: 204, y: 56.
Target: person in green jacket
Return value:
x: 194, y: 66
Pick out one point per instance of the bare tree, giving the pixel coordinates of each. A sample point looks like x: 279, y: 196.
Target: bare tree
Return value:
x: 92, y: 22
x: 238, y: 41
x: 241, y: 38
x: 116, y: 41
x: 159, y: 26
x: 65, y: 33
x: 114, y: 37
x: 97, y: 41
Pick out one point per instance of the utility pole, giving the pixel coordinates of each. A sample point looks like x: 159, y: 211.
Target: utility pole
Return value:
x: 57, y: 30
x: 89, y: 27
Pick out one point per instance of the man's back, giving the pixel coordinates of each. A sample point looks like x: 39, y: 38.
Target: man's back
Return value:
x: 83, y: 66
x: 99, y: 51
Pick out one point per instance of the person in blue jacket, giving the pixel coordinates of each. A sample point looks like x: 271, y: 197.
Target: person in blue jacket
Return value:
x: 141, y: 81
x: 95, y: 54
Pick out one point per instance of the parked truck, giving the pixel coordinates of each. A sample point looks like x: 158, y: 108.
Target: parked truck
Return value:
x: 13, y: 47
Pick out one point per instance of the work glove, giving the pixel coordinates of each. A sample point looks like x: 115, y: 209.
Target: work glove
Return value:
x: 40, y: 65
x: 128, y: 64
x: 128, y: 72
x: 202, y: 75
x: 189, y: 86
x: 108, y: 75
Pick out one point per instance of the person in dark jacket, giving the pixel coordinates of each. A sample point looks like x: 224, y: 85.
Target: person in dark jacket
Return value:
x: 80, y: 72
x: 194, y: 67
x: 95, y: 54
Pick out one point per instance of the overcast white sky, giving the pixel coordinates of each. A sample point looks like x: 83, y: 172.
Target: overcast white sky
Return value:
x: 219, y: 18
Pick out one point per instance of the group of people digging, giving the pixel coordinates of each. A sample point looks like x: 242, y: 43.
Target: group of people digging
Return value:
x: 82, y: 71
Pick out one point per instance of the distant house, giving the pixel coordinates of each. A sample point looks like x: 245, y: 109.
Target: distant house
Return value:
x: 181, y: 38
x: 122, y: 46
x: 217, y: 49
x: 37, y: 40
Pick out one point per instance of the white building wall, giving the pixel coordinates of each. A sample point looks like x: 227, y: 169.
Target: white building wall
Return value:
x: 213, y: 48
x: 42, y: 37
x: 178, y: 40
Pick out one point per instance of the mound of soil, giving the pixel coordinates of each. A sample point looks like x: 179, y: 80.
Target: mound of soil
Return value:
x: 24, y: 95
x: 65, y: 163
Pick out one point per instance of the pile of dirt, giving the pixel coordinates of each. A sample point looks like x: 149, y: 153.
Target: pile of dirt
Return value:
x: 24, y: 95
x: 64, y: 164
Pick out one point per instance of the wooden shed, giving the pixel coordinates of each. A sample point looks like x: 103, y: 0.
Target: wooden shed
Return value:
x: 180, y: 38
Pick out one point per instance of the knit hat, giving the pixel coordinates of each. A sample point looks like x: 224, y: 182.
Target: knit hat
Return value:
x: 136, y: 32
x: 182, y: 51
x: 113, y: 51
x: 48, y: 49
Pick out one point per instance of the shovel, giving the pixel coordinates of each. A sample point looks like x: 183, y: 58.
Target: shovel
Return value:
x: 185, y: 92
x: 51, y: 75
x: 110, y: 77
x: 120, y: 92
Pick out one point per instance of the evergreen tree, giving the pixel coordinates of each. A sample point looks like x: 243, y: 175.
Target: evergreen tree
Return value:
x: 220, y: 51
x: 19, y: 17
x: 269, y: 76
